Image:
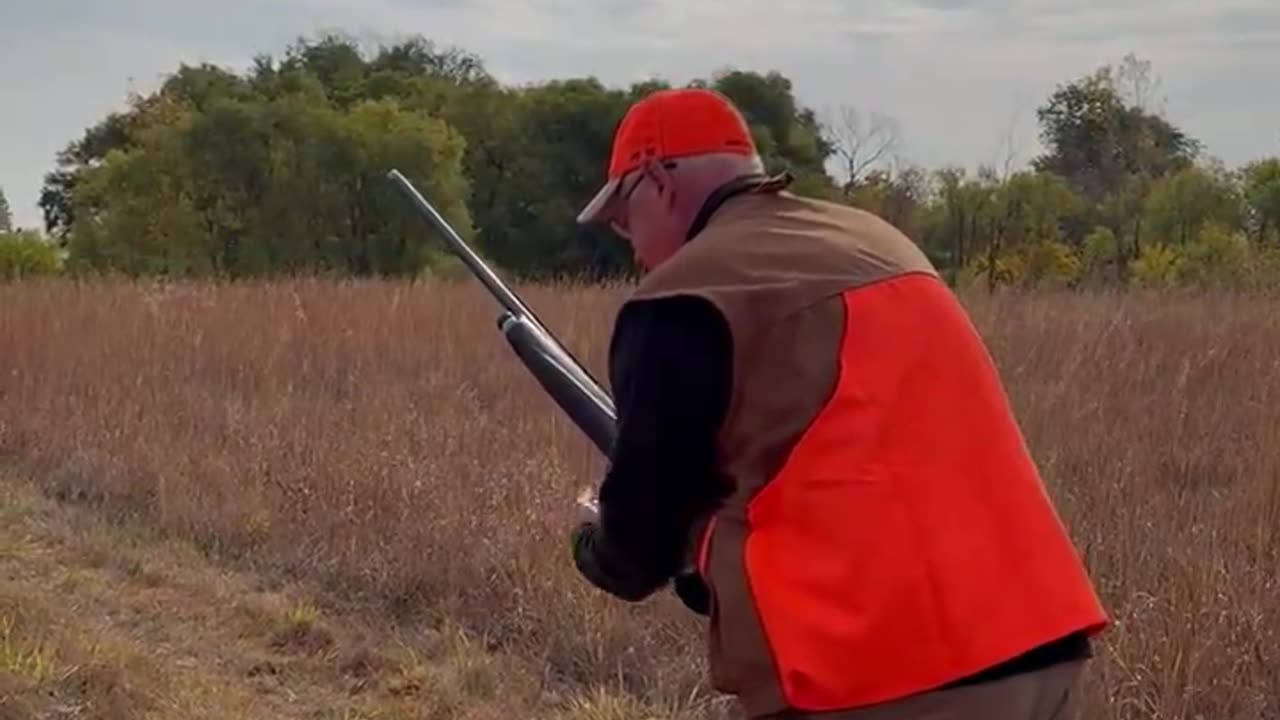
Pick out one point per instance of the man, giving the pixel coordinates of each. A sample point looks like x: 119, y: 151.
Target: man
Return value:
x: 814, y: 444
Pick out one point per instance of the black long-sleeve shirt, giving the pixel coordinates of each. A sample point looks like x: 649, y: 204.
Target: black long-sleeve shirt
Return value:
x: 670, y: 368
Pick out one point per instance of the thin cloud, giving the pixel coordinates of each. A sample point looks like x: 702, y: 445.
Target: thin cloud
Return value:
x: 953, y: 72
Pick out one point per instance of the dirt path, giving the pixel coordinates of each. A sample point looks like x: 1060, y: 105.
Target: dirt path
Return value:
x: 105, y: 621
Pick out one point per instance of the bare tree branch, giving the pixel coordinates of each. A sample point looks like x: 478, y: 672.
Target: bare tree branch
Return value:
x: 1009, y: 148
x: 862, y: 144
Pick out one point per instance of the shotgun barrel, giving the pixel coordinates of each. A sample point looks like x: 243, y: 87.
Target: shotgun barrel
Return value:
x: 559, y: 373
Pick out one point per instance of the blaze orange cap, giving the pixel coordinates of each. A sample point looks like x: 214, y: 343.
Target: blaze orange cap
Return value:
x: 668, y: 124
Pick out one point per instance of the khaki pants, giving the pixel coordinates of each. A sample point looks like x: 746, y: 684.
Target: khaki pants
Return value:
x: 1049, y: 694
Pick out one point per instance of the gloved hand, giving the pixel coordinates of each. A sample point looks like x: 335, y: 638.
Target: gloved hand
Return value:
x: 598, y: 565
x: 693, y: 592
x: 689, y: 586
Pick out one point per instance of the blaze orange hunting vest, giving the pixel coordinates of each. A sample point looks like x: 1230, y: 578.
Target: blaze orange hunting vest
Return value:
x: 888, y: 532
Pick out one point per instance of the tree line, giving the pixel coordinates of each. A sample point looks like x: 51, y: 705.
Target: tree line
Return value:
x: 281, y: 170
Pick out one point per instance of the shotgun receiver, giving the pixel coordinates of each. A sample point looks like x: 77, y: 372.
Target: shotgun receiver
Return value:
x: 563, y: 378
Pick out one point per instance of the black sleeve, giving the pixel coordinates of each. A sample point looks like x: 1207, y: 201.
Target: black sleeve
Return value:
x: 670, y: 367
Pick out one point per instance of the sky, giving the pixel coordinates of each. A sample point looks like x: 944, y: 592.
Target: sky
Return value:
x: 961, y: 78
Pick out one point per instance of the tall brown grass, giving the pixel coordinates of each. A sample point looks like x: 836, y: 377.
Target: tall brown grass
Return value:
x: 380, y: 438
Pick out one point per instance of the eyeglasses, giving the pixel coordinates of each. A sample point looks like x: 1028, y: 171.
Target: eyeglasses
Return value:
x: 624, y: 198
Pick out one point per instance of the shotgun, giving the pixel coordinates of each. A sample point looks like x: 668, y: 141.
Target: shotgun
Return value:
x: 556, y: 370
x: 559, y: 373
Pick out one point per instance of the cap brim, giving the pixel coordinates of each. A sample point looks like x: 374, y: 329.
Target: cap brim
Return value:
x: 600, y: 205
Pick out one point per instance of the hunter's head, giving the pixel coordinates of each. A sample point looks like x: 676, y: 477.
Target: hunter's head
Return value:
x: 672, y: 149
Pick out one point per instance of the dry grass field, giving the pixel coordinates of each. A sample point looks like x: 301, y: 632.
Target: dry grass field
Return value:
x: 371, y: 458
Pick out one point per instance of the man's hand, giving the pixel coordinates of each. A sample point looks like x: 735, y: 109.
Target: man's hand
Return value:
x: 693, y: 592
x: 599, y: 565
x: 689, y: 586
